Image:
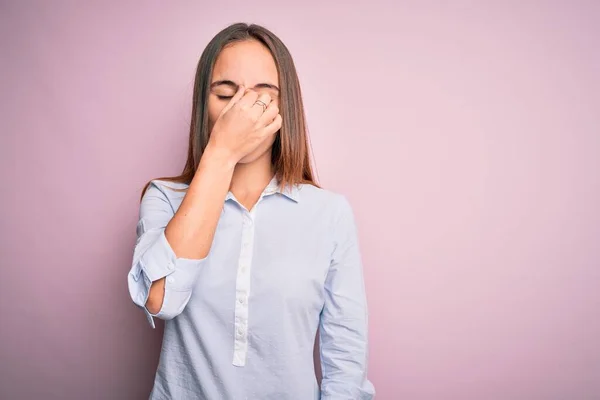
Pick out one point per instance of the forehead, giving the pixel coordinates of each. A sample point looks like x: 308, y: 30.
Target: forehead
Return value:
x: 248, y: 62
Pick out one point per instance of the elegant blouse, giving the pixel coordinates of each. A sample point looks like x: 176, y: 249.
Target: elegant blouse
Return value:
x: 241, y: 323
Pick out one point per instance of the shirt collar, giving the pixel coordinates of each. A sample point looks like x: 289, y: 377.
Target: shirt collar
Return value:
x: 292, y: 192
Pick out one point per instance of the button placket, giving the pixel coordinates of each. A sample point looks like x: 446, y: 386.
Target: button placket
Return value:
x: 243, y: 290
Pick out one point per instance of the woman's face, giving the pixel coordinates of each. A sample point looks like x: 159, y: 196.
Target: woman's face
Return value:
x: 247, y: 63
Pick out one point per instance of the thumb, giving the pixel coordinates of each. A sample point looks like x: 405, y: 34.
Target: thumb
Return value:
x: 236, y: 97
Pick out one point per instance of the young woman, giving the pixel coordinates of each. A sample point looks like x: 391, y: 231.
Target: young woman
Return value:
x: 244, y: 255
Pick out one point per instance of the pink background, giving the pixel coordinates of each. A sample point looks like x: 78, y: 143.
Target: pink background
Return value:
x: 466, y: 136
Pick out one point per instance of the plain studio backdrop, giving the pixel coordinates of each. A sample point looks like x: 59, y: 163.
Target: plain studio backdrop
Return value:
x: 465, y: 135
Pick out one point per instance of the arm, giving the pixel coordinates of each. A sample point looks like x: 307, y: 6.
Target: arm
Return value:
x: 172, y: 247
x: 344, y: 318
x: 175, y: 245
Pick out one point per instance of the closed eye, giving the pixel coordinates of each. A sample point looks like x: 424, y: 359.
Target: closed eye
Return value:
x: 224, y: 97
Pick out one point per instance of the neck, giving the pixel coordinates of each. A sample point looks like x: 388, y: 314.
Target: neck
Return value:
x: 250, y: 179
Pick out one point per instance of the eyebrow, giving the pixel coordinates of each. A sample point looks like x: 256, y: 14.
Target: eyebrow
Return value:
x: 235, y: 85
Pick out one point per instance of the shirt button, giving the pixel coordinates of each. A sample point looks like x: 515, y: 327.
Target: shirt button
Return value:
x: 170, y: 279
x: 241, y: 301
x: 171, y: 266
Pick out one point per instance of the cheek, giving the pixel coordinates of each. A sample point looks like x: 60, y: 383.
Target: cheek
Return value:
x: 266, y: 145
x: 276, y: 101
x: 215, y: 106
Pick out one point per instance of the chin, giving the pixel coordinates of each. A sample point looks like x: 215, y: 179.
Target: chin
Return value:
x: 252, y: 157
x: 247, y: 159
x: 256, y: 154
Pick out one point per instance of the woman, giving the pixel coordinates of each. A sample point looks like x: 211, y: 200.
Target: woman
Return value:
x: 244, y: 255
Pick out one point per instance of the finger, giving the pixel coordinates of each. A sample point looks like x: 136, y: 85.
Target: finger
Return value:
x: 248, y: 99
x: 257, y: 108
x: 274, y: 126
x: 236, y: 97
x: 269, y: 115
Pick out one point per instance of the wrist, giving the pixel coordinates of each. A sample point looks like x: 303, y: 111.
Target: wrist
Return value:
x: 222, y: 158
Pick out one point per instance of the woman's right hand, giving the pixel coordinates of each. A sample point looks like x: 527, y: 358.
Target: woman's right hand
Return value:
x: 242, y: 125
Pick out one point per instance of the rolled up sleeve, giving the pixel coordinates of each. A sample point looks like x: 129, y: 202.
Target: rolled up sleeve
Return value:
x: 343, y: 327
x: 154, y: 259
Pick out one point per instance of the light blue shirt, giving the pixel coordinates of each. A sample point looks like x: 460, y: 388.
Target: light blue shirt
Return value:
x: 241, y: 323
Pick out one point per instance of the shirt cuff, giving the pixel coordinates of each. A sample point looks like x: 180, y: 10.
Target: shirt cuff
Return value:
x: 160, y: 261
